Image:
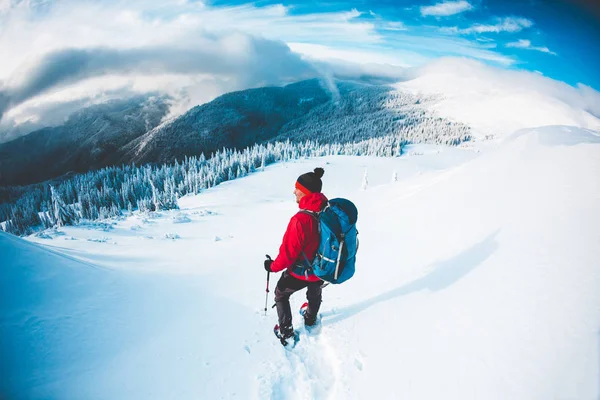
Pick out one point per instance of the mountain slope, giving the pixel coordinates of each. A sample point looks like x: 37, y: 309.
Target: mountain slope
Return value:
x: 298, y: 112
x: 89, y: 139
x: 122, y: 132
x: 237, y: 119
x: 364, y: 111
x: 476, y: 278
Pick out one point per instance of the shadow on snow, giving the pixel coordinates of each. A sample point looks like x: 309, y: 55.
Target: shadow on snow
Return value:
x: 444, y: 274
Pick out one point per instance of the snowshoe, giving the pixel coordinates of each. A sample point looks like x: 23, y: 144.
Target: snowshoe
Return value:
x: 288, y: 337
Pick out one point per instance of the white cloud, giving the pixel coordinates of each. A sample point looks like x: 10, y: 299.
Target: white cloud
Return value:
x: 526, y: 44
x: 246, y: 60
x: 507, y: 24
x: 438, y: 46
x: 139, y: 24
x: 591, y: 99
x: 404, y: 50
x: 495, y: 100
x: 394, y: 26
x: 446, y: 8
x: 74, y: 42
x: 194, y: 51
x: 350, y: 55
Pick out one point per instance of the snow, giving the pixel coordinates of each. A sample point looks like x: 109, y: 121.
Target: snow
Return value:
x: 477, y: 277
x: 496, y: 101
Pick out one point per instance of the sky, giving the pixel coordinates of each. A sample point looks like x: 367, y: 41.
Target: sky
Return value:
x: 59, y: 55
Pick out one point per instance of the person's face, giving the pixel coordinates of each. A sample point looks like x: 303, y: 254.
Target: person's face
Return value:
x: 299, y: 194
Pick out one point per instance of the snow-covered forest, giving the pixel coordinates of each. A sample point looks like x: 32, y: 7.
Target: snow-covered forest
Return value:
x: 361, y: 112
x: 109, y: 191
x: 358, y: 120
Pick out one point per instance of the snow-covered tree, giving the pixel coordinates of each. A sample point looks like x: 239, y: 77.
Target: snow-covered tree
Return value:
x: 365, y: 181
x: 63, y: 214
x: 105, y: 192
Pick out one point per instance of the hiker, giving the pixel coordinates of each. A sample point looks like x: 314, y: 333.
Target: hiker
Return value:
x: 297, y: 251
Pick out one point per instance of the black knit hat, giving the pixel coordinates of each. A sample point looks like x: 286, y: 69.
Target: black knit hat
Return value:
x: 311, y: 181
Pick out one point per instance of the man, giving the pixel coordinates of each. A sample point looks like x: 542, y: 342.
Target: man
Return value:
x: 298, y: 249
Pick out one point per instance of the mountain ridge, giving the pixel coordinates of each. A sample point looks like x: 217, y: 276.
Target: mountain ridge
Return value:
x: 305, y: 110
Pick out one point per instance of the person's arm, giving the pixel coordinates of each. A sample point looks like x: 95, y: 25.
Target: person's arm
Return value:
x: 291, y: 246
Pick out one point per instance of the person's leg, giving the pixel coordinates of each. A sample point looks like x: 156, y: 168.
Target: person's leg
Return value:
x: 313, y: 295
x: 286, y: 285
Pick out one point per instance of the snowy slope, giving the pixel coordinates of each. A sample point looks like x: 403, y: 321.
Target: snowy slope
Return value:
x: 63, y: 322
x: 496, y: 101
x: 477, y: 278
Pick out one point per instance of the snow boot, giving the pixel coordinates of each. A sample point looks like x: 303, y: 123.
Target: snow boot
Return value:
x: 309, y: 320
x: 286, y: 335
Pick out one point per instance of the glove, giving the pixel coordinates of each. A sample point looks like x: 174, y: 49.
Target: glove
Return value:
x: 268, y: 263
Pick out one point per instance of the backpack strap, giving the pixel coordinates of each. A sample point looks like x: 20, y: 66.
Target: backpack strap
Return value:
x: 308, y: 263
x: 308, y: 266
x: 313, y: 214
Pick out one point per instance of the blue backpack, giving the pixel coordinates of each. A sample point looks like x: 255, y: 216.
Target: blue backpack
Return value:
x: 336, y: 256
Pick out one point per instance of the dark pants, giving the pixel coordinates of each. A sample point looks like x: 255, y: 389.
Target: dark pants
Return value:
x: 285, y: 287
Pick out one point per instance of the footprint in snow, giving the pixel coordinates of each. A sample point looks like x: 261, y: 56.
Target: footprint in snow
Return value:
x: 315, y: 366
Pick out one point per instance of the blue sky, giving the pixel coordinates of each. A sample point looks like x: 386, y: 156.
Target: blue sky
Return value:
x: 59, y: 55
x: 559, y: 39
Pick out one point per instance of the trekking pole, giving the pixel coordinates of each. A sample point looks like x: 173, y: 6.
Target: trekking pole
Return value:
x: 267, y: 295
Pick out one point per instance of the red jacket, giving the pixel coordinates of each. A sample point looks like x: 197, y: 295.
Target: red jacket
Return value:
x: 302, y: 234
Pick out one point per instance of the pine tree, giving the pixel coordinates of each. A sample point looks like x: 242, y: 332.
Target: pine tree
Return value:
x: 63, y: 214
x: 156, y: 198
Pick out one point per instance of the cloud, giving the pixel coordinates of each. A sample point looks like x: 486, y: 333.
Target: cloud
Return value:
x: 4, y: 103
x: 526, y: 44
x: 53, y: 109
x: 62, y: 51
x: 591, y: 99
x: 446, y: 8
x: 394, y: 26
x: 135, y: 24
x: 353, y: 55
x: 247, y: 60
x: 506, y: 24
x: 40, y: 116
x: 189, y: 48
x: 435, y: 46
x: 492, y: 100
